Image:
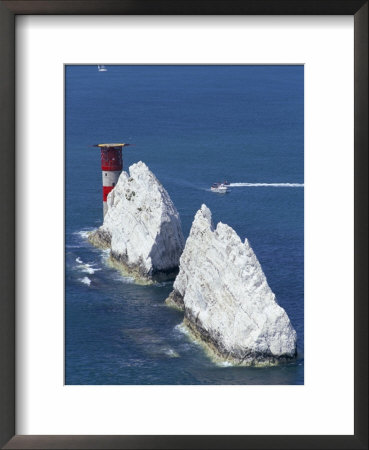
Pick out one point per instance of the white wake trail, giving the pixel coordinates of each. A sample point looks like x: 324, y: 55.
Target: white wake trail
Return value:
x: 266, y: 184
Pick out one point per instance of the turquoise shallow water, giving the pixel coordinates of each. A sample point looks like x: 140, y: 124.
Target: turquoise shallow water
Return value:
x: 192, y: 125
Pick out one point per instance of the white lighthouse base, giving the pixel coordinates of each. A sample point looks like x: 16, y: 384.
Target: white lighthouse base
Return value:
x: 110, y: 178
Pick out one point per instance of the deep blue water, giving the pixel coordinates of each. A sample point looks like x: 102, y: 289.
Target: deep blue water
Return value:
x: 192, y: 125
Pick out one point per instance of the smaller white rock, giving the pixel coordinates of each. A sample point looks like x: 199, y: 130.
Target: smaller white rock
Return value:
x: 226, y: 298
x: 142, y: 226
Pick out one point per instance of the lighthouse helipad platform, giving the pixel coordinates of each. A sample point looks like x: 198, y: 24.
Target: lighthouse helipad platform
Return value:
x: 112, y: 145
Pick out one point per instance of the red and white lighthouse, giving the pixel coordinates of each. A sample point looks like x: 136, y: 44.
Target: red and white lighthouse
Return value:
x: 111, y: 167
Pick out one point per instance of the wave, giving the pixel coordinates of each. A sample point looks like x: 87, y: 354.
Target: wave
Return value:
x: 267, y: 184
x: 182, y: 328
x: 88, y: 269
x: 170, y: 352
x: 85, y: 280
x: 83, y: 233
x: 85, y: 267
x: 224, y: 364
x: 123, y: 279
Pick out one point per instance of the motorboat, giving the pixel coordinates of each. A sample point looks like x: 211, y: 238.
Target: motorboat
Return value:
x: 102, y: 68
x: 220, y: 188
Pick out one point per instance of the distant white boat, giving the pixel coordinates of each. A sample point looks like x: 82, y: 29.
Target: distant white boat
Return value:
x: 220, y: 188
x: 102, y: 68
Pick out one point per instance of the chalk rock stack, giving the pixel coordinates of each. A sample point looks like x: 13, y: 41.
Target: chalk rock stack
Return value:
x: 226, y: 299
x: 141, y: 227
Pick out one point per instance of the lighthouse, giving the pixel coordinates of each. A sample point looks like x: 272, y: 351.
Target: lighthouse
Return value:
x: 111, y: 167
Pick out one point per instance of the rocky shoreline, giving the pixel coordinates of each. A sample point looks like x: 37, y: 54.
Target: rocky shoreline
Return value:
x: 220, y: 356
x: 219, y: 284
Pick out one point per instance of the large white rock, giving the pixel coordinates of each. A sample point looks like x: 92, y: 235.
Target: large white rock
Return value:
x: 227, y: 301
x: 142, y: 226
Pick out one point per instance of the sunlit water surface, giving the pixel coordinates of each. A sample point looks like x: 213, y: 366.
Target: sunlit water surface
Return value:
x: 192, y: 125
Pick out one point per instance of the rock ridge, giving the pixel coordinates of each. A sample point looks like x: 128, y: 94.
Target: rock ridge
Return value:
x: 142, y: 227
x: 227, y: 302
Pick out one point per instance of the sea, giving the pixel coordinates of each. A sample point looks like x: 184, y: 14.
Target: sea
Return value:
x: 192, y: 125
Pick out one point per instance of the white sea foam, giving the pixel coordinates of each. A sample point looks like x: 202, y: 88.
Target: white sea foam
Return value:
x: 224, y: 364
x: 182, y: 328
x: 83, y: 233
x: 171, y: 353
x: 118, y: 276
x: 123, y: 279
x: 87, y: 268
x: 105, y: 255
x: 85, y: 280
x: 267, y: 184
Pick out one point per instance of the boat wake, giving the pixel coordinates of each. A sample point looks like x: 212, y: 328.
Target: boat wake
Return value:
x: 266, y: 185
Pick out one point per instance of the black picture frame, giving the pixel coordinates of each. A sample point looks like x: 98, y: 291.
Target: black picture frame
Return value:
x: 8, y: 12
